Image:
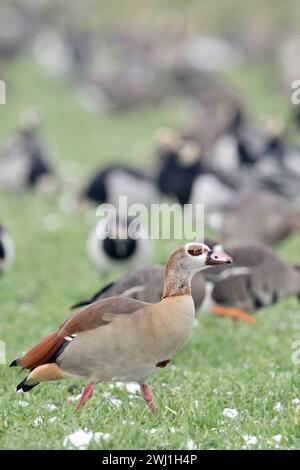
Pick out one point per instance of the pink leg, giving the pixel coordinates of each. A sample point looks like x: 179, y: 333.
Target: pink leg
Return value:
x: 148, y: 398
x: 86, y: 395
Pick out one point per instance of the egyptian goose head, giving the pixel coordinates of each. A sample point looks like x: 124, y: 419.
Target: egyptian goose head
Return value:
x: 186, y: 262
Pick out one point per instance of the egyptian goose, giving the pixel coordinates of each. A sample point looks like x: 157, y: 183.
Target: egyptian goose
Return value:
x: 119, y: 244
x: 119, y: 338
x: 7, y: 250
x: 107, y: 185
x: 24, y: 159
x: 257, y: 279
x: 274, y: 220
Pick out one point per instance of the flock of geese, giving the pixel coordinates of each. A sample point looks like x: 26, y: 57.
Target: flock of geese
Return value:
x: 245, y: 173
x: 249, y: 208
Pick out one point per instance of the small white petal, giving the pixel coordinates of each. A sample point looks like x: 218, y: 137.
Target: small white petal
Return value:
x: 277, y: 438
x: 250, y: 440
x: 39, y: 420
x: 101, y: 436
x: 296, y: 401
x: 79, y: 439
x: 230, y: 413
x: 152, y: 431
x: 190, y: 445
x: 73, y: 398
x: 53, y: 419
x: 115, y: 402
x: 278, y: 407
x: 51, y: 407
x: 23, y: 403
x: 132, y: 388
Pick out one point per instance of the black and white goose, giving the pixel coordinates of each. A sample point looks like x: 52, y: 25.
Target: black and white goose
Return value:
x: 24, y: 161
x: 185, y: 177
x: 257, y: 279
x: 118, y: 245
x: 114, y: 181
x: 7, y: 250
x: 180, y: 162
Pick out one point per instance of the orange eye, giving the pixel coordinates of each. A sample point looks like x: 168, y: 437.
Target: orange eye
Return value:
x: 195, y: 252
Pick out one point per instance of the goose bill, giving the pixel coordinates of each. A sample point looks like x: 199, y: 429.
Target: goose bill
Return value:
x: 214, y: 259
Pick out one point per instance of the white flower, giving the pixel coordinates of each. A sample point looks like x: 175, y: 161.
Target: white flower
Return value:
x: 278, y: 407
x: 23, y: 403
x: 296, y: 401
x: 82, y: 438
x: 73, y: 398
x: 101, y: 436
x: 197, y: 404
x: 115, y: 402
x: 132, y: 388
x: 190, y: 445
x: 79, y: 439
x: 277, y: 438
x: 230, y: 413
x: 152, y: 431
x: 51, y: 407
x: 39, y: 420
x: 53, y: 419
x: 250, y: 440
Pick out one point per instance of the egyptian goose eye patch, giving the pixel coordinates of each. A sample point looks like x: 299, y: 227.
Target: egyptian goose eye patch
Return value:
x: 195, y: 252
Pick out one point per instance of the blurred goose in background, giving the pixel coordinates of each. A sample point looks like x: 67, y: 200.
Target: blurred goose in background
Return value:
x: 256, y: 218
x: 7, y: 250
x: 119, y: 245
x: 257, y: 279
x: 121, y: 338
x: 187, y: 178
x: 214, y: 189
x: 117, y: 180
x: 63, y: 55
x: 285, y: 157
x: 24, y: 160
x: 13, y: 32
x: 179, y: 167
x: 139, y: 87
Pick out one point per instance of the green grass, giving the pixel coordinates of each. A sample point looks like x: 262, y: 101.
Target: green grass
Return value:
x: 222, y: 366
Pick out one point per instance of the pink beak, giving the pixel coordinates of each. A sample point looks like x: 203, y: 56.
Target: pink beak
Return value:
x: 214, y: 259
